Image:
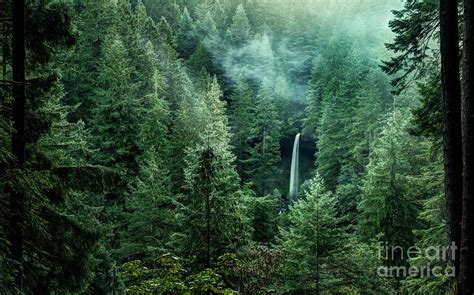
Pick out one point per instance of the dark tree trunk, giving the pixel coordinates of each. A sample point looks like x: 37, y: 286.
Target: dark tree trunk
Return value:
x: 18, y: 137
x: 452, y: 133
x: 467, y: 251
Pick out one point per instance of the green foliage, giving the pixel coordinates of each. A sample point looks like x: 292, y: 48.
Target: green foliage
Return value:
x: 392, y: 191
x: 163, y: 275
x: 239, y: 32
x: 310, y: 241
x: 265, y: 154
x: 257, y: 266
x: 319, y: 255
x: 242, y: 112
x: 156, y: 147
x: 116, y: 115
x: 431, y: 233
x: 212, y: 218
x: 208, y: 281
x: 343, y: 111
x: 166, y: 275
x: 185, y: 35
x: 415, y: 26
x: 81, y: 82
x: 58, y: 244
x: 428, y: 118
x: 265, y: 217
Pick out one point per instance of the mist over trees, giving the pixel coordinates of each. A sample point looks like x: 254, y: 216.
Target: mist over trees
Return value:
x: 146, y: 146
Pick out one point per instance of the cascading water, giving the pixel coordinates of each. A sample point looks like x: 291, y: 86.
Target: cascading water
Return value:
x: 294, y: 176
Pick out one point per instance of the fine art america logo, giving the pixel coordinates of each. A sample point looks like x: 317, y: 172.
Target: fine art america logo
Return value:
x: 433, y: 261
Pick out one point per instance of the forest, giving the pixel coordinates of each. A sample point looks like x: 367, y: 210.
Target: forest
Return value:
x: 236, y: 147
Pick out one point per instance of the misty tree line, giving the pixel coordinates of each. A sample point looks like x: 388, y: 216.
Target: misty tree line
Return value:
x: 141, y: 154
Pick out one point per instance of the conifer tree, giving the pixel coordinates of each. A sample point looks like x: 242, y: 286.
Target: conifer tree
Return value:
x: 433, y: 220
x: 265, y: 218
x: 310, y: 241
x: 239, y: 32
x: 94, y: 23
x: 118, y: 109
x: 213, y: 225
x: 54, y: 251
x: 391, y: 201
x: 213, y: 9
x: 186, y: 40
x: 150, y: 204
x: 242, y: 123
x: 265, y: 154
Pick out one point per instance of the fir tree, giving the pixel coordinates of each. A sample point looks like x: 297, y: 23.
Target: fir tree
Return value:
x: 310, y: 241
x: 117, y: 111
x: 391, y: 201
x: 239, y: 31
x: 53, y: 254
x: 265, y: 154
x: 94, y: 24
x: 242, y: 123
x: 185, y: 34
x: 212, y: 224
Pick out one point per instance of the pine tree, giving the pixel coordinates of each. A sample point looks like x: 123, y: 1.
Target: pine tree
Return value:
x: 213, y: 9
x: 320, y: 256
x: 310, y: 242
x: 242, y: 123
x: 94, y: 24
x: 433, y: 222
x: 414, y: 26
x: 345, y: 119
x: 187, y: 123
x: 186, y: 40
x: 150, y: 205
x: 207, y: 31
x: 314, y: 100
x: 265, y: 154
x: 265, y: 218
x: 239, y: 32
x: 166, y: 33
x: 213, y: 225
x: 118, y: 109
x: 115, y: 127
x: 391, y: 198
x: 54, y: 251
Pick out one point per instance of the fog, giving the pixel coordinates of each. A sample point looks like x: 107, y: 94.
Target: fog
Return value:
x: 290, y: 33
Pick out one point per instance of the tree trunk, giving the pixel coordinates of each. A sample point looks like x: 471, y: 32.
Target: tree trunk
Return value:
x: 467, y: 251
x: 18, y: 137
x: 452, y: 134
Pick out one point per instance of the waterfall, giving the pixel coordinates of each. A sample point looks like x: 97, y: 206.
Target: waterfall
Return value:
x: 294, y: 176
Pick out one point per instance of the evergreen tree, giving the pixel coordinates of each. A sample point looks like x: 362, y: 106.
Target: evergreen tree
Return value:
x: 391, y: 198
x: 118, y: 109
x: 213, y: 225
x: 239, y: 32
x: 319, y: 255
x: 95, y: 22
x: 310, y: 242
x: 414, y: 26
x: 150, y: 218
x: 265, y: 154
x: 52, y: 245
x: 242, y: 123
x: 212, y: 9
x: 151, y: 207
x: 186, y: 40
x: 265, y: 218
x: 433, y: 222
